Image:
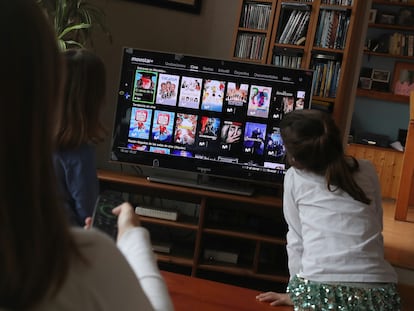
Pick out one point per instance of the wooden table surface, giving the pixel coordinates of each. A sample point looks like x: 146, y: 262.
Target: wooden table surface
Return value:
x: 195, y: 294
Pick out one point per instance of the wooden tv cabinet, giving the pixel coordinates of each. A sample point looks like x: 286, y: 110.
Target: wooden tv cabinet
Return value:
x: 224, y: 237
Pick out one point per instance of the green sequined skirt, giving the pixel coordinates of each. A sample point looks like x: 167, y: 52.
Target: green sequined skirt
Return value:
x: 309, y: 295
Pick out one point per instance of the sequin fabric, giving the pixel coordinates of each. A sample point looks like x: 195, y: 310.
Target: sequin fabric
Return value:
x: 307, y: 295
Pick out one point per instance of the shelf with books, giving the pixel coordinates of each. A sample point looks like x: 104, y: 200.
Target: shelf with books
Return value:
x: 332, y: 30
x: 327, y: 72
x: 254, y: 29
x: 302, y: 30
x: 293, y: 23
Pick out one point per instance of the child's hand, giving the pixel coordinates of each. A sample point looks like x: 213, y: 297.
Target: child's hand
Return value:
x: 88, y: 223
x: 275, y: 299
x: 127, y: 218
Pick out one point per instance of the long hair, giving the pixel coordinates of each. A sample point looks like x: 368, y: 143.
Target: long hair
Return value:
x: 313, y: 142
x: 84, y: 95
x: 35, y: 241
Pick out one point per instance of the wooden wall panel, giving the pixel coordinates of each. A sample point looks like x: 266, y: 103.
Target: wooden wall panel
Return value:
x: 388, y: 163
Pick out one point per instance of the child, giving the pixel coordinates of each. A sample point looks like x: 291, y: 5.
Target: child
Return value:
x: 80, y: 130
x: 45, y: 264
x: 332, y: 205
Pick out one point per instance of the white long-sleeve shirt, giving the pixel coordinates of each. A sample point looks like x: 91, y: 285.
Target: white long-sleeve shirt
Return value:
x: 332, y: 237
x: 107, y: 282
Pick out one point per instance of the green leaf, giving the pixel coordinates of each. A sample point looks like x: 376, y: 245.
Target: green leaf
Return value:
x: 74, y: 21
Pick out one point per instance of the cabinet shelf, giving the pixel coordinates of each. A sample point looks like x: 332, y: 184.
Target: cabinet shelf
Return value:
x: 385, y: 96
x: 185, y: 223
x: 255, y: 228
x: 387, y: 55
x: 175, y: 260
x: 246, y: 236
x: 387, y: 2
x: 252, y: 30
x: 392, y: 27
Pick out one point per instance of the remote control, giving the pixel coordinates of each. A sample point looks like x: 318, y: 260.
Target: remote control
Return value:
x: 102, y: 217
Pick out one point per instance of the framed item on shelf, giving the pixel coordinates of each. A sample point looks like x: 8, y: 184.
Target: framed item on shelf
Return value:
x: 386, y: 18
x: 380, y: 75
x: 365, y: 83
x: 192, y: 6
x: 372, y: 16
x: 403, y: 81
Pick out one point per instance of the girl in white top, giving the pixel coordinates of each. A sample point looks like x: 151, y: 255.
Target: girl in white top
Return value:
x: 44, y: 264
x: 332, y: 205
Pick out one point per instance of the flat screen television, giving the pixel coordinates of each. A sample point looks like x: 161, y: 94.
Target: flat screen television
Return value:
x: 215, y: 119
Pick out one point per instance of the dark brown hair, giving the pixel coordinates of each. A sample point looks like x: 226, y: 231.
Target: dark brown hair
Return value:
x: 84, y: 95
x: 313, y: 142
x: 35, y: 242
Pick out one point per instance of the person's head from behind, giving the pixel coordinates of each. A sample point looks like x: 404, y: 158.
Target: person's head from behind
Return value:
x: 33, y: 231
x: 312, y: 140
x: 84, y: 96
x: 313, y: 143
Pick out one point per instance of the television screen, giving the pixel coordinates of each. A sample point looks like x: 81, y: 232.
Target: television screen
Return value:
x: 214, y: 118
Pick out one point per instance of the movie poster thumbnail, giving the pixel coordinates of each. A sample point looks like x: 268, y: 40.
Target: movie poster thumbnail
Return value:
x: 259, y: 101
x: 140, y: 123
x: 209, y: 127
x: 254, y: 138
x: 300, y: 100
x: 274, y: 143
x: 167, y: 89
x: 275, y: 165
x: 213, y: 95
x: 138, y: 147
x: 144, y: 86
x: 185, y: 128
x: 162, y: 126
x: 231, y: 132
x: 182, y: 153
x: 159, y: 150
x: 237, y: 94
x: 288, y: 103
x: 190, y: 92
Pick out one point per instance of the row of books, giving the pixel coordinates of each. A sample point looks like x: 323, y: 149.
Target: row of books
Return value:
x: 332, y: 29
x: 401, y: 44
x: 255, y: 15
x: 326, y: 78
x: 337, y: 2
x: 294, y: 30
x: 250, y: 46
x: 287, y: 61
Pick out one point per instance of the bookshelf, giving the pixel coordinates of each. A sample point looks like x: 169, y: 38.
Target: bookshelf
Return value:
x: 324, y: 35
x: 389, y: 39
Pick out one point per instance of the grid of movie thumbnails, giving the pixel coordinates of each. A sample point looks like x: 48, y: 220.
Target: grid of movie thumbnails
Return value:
x: 219, y: 120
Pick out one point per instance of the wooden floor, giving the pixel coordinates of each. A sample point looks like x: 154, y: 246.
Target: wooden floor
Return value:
x: 398, y: 237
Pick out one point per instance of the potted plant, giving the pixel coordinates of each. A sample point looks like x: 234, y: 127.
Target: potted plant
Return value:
x: 74, y: 21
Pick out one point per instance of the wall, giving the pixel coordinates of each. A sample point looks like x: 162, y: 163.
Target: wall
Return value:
x: 380, y: 117
x: 138, y: 25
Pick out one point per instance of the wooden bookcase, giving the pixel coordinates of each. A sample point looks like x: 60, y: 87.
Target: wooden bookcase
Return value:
x: 334, y: 93
x: 405, y: 197
x: 379, y: 53
x: 249, y: 231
